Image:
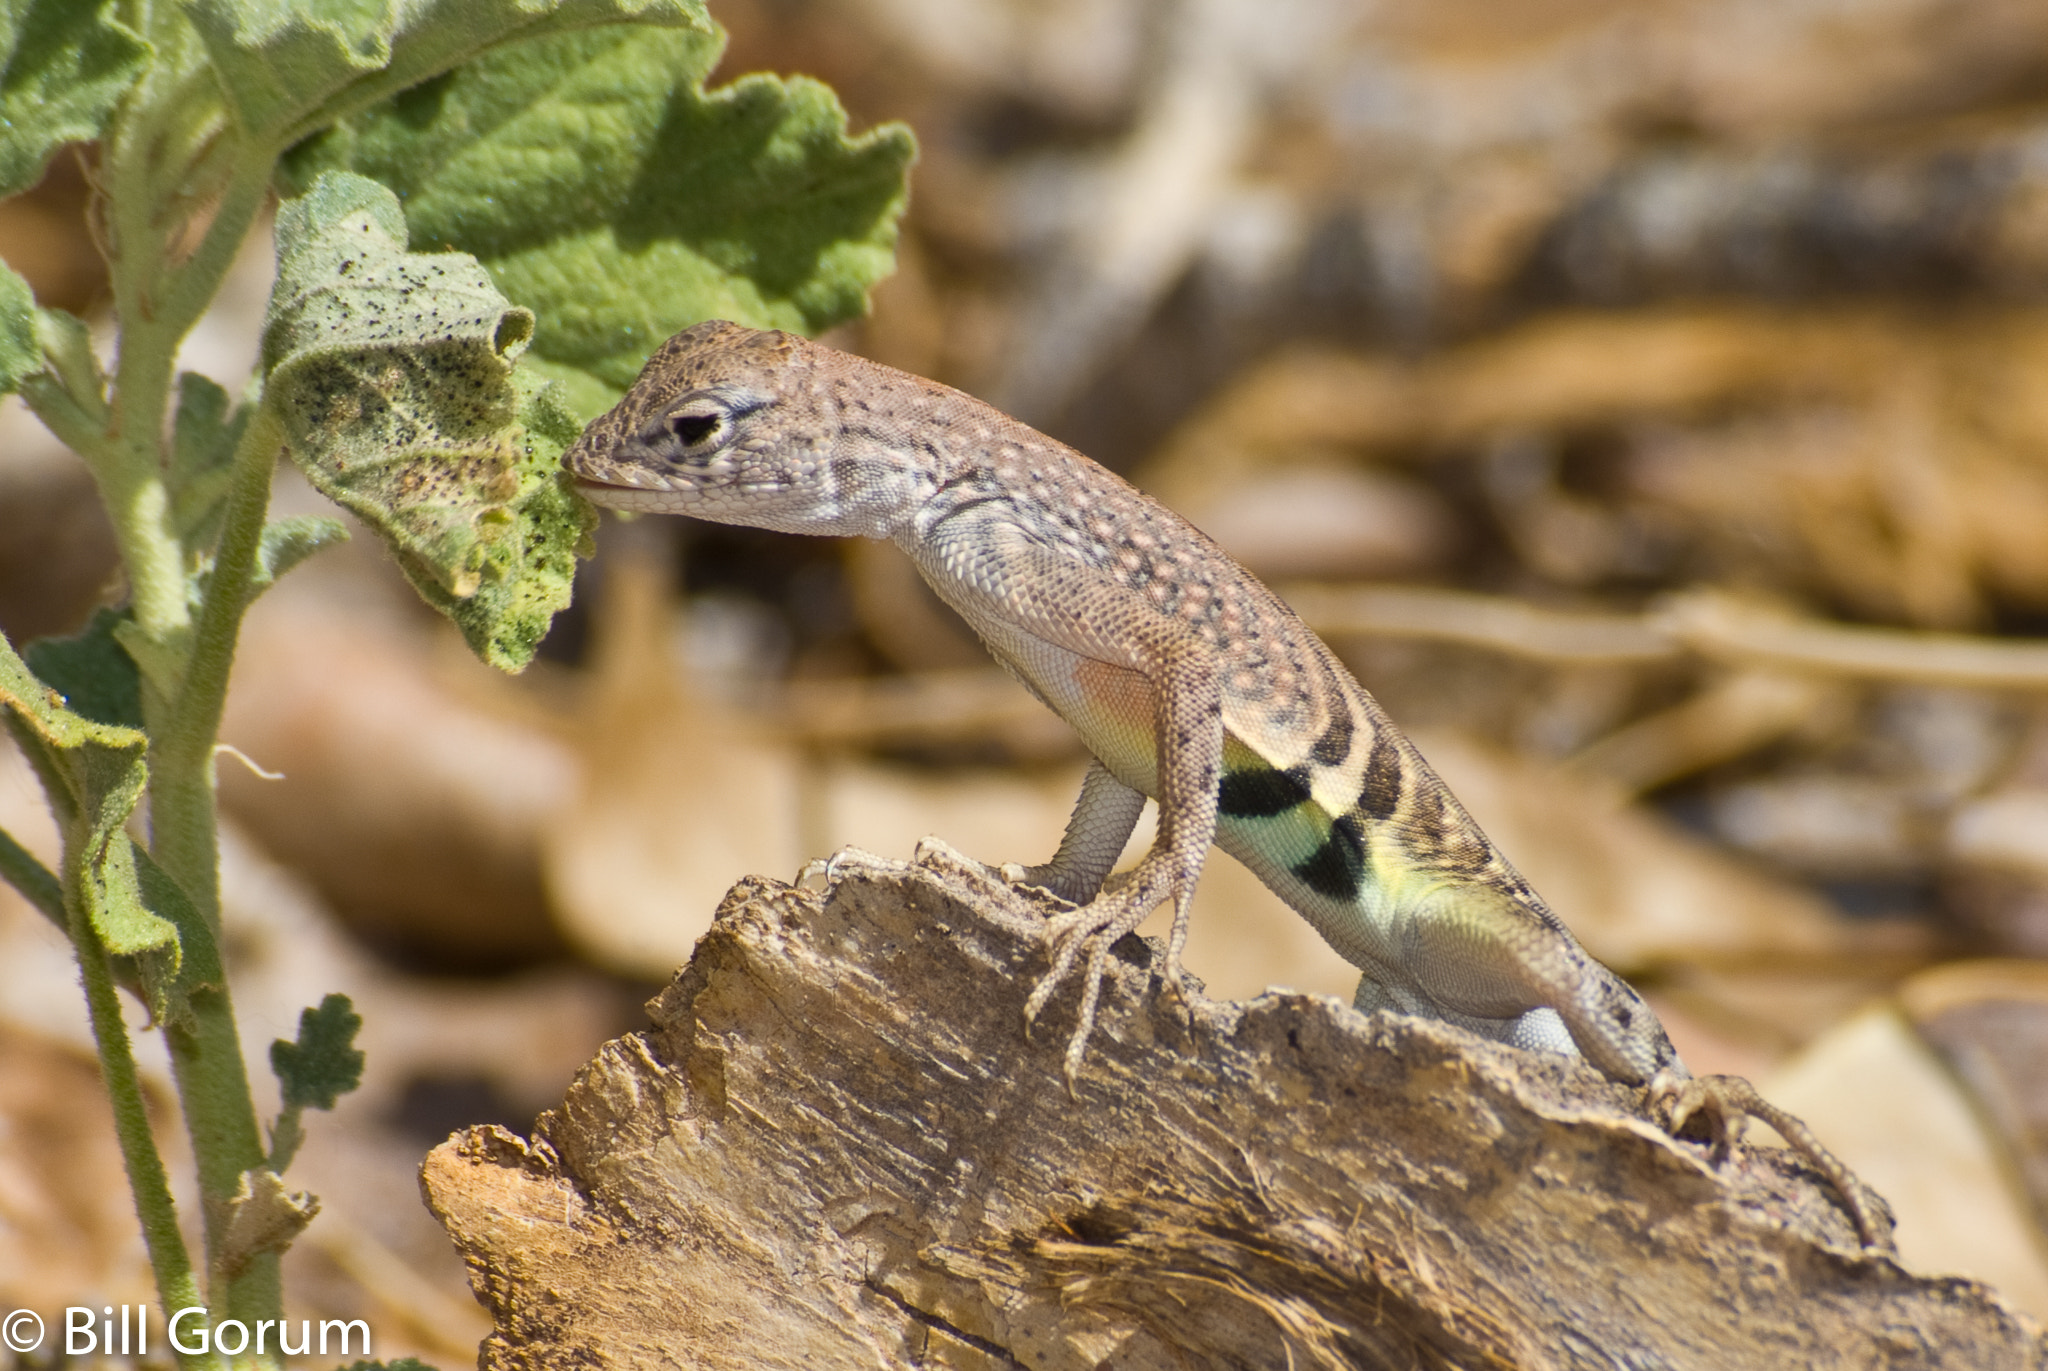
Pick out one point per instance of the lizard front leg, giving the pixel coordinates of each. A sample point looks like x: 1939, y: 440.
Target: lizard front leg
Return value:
x: 1188, y: 736
x: 1104, y: 814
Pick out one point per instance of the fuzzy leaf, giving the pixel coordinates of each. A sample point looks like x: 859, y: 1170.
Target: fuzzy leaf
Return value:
x: 288, y: 542
x: 289, y: 67
x: 324, y: 1063
x: 391, y: 374
x: 96, y: 677
x: 66, y: 63
x: 506, y: 617
x: 203, y: 440
x: 95, y: 772
x: 80, y: 760
x: 167, y: 983
x: 608, y: 192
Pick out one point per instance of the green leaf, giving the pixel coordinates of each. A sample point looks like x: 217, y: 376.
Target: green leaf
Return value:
x: 324, y: 1063
x: 289, y: 67
x: 391, y: 375
x: 130, y: 930
x: 167, y: 985
x: 95, y: 773
x: 21, y: 356
x: 94, y: 674
x: 609, y: 193
x: 66, y: 63
x: 203, y: 440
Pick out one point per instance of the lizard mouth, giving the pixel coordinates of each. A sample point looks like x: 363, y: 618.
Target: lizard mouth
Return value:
x: 613, y: 495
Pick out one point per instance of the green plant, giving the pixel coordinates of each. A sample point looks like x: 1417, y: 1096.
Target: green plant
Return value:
x: 571, y: 194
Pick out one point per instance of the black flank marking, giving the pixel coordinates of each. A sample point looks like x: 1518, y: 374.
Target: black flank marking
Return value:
x: 1337, y: 868
x: 1261, y: 793
x: 1382, y: 793
x: 1335, y: 745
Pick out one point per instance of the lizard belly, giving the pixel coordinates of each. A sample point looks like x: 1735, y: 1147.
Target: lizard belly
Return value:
x: 1111, y: 707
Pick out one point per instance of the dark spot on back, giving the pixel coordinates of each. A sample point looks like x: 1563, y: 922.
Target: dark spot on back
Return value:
x: 1335, y: 745
x: 1381, y: 794
x: 1262, y: 792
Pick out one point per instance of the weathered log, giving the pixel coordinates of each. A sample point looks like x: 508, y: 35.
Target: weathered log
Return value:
x: 836, y: 1148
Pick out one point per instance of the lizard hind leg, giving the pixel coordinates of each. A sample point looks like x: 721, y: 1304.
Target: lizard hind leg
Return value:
x: 1474, y: 950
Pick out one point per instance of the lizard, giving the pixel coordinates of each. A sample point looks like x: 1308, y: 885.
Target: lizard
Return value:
x: 1187, y: 679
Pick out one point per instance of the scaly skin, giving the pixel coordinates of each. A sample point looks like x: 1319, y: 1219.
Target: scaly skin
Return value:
x: 1187, y: 679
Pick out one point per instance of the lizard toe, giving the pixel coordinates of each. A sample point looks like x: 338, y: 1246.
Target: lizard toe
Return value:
x: 1725, y: 1104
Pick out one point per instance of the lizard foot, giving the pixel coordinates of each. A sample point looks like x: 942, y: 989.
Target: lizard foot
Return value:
x: 1724, y: 1104
x: 1095, y: 927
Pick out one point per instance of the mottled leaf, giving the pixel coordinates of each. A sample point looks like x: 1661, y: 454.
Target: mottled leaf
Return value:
x: 391, y: 376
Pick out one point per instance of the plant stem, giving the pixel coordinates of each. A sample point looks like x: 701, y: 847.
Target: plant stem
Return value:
x: 206, y: 1054
x: 184, y: 837
x: 185, y: 687
x: 128, y: 465
x: 176, y: 1286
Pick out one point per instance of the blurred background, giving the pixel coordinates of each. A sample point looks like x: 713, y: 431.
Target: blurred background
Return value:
x: 1647, y: 399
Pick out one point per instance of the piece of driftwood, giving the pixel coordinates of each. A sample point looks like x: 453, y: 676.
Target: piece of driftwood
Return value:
x: 836, y: 1148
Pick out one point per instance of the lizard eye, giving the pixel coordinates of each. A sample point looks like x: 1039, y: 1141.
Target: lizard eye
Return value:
x: 692, y: 428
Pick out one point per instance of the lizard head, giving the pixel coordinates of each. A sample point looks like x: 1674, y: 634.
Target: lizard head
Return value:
x: 744, y: 426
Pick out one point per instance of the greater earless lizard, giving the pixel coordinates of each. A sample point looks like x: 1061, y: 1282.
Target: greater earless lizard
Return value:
x: 1188, y: 680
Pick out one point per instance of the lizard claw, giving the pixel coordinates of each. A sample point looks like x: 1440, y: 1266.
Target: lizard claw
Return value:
x: 1725, y: 1104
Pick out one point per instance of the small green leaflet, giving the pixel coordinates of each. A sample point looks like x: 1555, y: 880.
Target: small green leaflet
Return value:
x: 391, y: 376
x: 324, y: 1063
